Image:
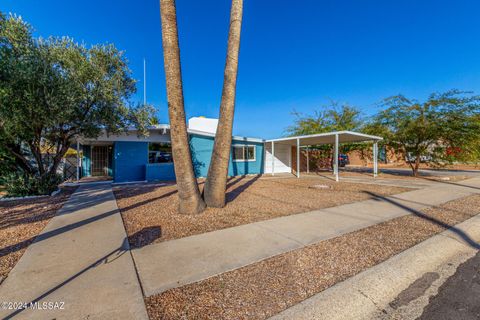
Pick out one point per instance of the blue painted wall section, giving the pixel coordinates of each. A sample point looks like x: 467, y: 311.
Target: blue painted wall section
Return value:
x: 160, y: 171
x: 202, y: 148
x: 129, y: 161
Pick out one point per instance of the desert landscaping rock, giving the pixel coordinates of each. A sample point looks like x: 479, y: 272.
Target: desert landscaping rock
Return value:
x: 321, y: 186
x: 21, y: 221
x: 256, y: 199
x: 263, y: 289
x: 82, y: 259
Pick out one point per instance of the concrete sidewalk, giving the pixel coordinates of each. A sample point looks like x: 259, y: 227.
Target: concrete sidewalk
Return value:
x: 370, y: 294
x: 81, y: 261
x: 404, y: 183
x: 175, y: 263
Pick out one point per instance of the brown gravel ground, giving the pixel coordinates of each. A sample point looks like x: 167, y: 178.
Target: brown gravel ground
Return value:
x: 263, y: 289
x: 150, y: 212
x: 399, y: 175
x: 21, y: 221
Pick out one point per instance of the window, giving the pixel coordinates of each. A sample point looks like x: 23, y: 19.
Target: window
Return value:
x: 243, y: 153
x: 160, y: 153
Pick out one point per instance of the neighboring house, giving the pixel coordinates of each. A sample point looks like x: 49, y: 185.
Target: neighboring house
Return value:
x: 130, y: 157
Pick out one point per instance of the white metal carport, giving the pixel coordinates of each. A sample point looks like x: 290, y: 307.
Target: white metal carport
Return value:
x: 334, y: 138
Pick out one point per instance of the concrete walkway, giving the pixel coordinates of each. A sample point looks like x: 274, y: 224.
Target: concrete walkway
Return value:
x: 403, y: 183
x: 370, y: 294
x: 81, y: 261
x: 175, y: 263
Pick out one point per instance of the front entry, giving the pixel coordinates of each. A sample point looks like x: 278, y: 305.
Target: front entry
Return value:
x: 101, y: 161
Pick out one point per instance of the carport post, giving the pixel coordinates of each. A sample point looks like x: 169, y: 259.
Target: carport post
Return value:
x: 298, y: 158
x: 375, y: 159
x: 273, y: 158
x: 308, y: 162
x: 335, y: 169
x: 78, y: 161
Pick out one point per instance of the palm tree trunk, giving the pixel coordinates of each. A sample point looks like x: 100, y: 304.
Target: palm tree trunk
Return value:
x: 216, y: 183
x: 190, y: 200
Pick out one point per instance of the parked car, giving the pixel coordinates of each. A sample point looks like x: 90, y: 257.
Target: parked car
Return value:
x: 343, y: 160
x: 423, y: 158
x: 160, y: 157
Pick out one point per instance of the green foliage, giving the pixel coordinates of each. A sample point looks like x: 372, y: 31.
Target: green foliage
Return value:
x: 7, y: 163
x: 23, y: 184
x: 52, y: 90
x: 334, y: 117
x: 444, y: 128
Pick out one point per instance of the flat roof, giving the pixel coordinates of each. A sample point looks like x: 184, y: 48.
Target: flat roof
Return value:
x: 162, y: 128
x: 236, y: 138
x: 327, y: 138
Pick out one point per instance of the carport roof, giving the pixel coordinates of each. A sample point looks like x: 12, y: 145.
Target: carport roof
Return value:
x: 327, y: 138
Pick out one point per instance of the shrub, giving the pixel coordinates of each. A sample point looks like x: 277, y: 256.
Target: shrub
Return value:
x: 21, y: 184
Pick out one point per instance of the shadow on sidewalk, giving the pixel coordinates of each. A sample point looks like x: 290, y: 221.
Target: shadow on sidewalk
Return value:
x: 451, y: 183
x: 462, y: 234
x: 49, y: 234
x: 108, y: 258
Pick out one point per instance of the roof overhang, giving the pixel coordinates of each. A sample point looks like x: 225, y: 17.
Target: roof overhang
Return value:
x: 235, y: 138
x: 327, y: 138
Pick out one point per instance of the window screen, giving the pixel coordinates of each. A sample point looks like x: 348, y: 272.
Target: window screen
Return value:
x: 243, y: 153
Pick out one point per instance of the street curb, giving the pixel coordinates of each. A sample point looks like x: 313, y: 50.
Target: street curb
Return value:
x: 365, y: 295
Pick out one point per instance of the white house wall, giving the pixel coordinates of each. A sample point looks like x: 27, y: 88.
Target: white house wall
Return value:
x: 283, y: 158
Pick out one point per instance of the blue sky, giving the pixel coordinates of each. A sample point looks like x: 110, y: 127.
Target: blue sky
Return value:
x: 295, y: 55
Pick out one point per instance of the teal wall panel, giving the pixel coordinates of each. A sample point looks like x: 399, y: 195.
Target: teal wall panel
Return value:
x: 202, y: 148
x: 86, y: 168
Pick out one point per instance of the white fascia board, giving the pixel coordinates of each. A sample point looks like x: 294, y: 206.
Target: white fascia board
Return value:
x: 333, y: 133
x: 236, y: 138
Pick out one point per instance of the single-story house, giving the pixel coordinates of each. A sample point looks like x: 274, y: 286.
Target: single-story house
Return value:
x: 130, y: 157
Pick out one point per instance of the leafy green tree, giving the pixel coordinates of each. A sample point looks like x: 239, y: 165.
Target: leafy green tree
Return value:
x: 334, y: 117
x: 7, y: 163
x: 441, y: 130
x: 52, y: 90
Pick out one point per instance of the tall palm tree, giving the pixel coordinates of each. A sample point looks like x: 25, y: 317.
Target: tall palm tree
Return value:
x: 188, y: 192
x: 216, y: 183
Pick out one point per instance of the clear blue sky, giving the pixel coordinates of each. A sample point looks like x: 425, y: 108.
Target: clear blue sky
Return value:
x: 294, y: 54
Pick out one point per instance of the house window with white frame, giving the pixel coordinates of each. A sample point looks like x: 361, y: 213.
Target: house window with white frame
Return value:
x: 243, y: 153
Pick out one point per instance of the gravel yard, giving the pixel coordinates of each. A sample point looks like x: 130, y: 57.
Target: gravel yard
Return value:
x: 405, y: 175
x: 150, y: 211
x: 21, y: 221
x: 263, y: 289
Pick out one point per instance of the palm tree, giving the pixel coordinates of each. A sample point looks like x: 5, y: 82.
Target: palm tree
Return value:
x: 216, y: 183
x: 190, y: 200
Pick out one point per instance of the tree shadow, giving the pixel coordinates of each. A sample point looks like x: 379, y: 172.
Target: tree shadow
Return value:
x: 82, y: 200
x: 451, y: 183
x: 28, y: 211
x: 108, y: 258
x: 234, y: 180
x: 462, y: 234
x: 144, y: 237
x: 233, y: 194
x: 52, y: 233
